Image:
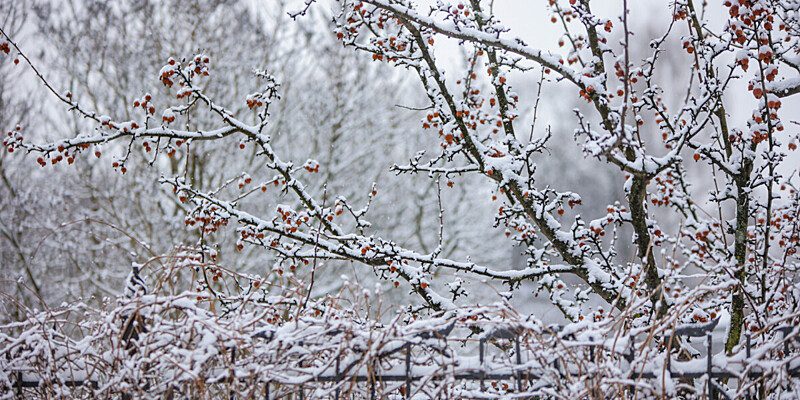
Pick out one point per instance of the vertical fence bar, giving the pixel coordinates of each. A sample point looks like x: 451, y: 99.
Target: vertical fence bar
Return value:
x: 785, y: 347
x: 408, y: 371
x: 519, y: 363
x: 747, y: 349
x: 266, y: 390
x: 591, y: 358
x: 631, y: 355
x: 480, y: 358
x: 231, y: 392
x: 631, y: 348
x: 19, y: 384
x: 558, y: 368
x: 785, y: 343
x: 338, y: 379
x: 302, y: 392
x: 747, y: 339
x: 709, y: 365
x: 668, y: 347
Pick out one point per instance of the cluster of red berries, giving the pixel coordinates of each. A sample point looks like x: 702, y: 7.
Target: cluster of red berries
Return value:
x: 5, y: 48
x: 63, y: 153
x: 145, y: 104
x: 524, y: 229
x: 205, y: 218
x: 597, y: 316
x: 167, y: 72
x: 183, y: 92
x: 121, y: 166
x: 126, y: 126
x: 292, y: 219
x: 105, y: 121
x: 433, y: 119
x: 244, y: 181
x: 311, y: 166
x: 702, y: 317
x: 250, y: 232
x: 680, y: 14
x: 566, y: 13
x: 13, y: 139
x: 254, y: 101
x: 168, y: 116
x: 665, y: 189
x: 574, y: 202
x: 199, y: 65
x: 216, y: 276
x: 460, y: 9
x: 633, y: 280
x: 393, y: 44
x: 597, y: 230
x: 359, y: 8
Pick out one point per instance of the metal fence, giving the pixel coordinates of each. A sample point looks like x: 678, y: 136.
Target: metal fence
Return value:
x: 519, y: 376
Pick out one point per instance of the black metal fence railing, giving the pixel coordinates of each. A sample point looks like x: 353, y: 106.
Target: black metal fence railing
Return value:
x: 519, y: 375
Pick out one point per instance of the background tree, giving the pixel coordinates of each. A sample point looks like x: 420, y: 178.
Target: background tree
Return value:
x: 92, y: 224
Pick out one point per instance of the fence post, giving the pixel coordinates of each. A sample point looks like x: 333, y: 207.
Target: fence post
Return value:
x: 480, y: 358
x: 266, y: 390
x: 631, y: 350
x: 747, y: 348
x: 591, y: 359
x: 631, y: 347
x: 785, y: 348
x: 408, y: 370
x: 668, y: 347
x: 785, y: 343
x: 19, y: 384
x: 747, y: 338
x: 519, y: 363
x: 712, y: 394
x: 232, y: 393
x: 338, y: 379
